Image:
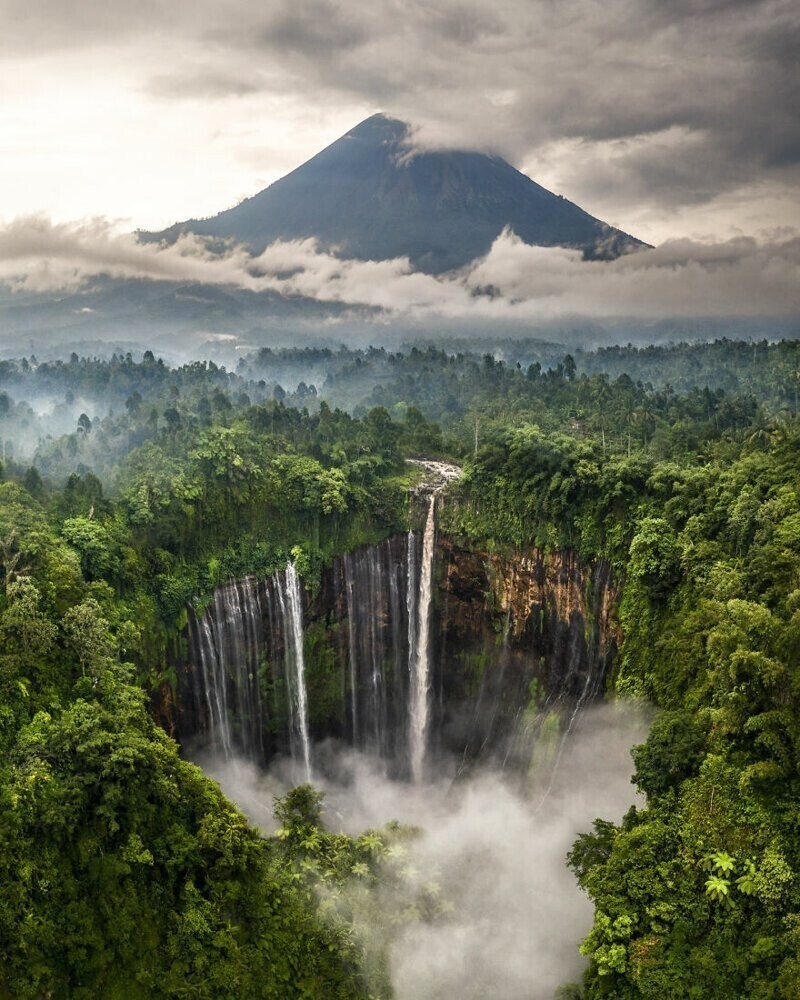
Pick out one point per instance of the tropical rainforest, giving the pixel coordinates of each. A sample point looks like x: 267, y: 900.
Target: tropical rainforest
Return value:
x: 131, y: 489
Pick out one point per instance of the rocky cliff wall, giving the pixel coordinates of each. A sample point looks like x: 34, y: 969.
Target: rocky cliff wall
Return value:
x: 523, y: 638
x: 519, y: 642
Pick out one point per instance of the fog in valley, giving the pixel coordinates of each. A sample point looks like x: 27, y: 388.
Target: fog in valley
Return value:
x: 493, y: 843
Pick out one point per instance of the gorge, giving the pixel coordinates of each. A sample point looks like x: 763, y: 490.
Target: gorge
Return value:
x: 236, y: 600
x: 445, y: 686
x: 416, y: 648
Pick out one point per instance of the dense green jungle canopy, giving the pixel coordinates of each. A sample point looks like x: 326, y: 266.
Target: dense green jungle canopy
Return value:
x: 129, y: 488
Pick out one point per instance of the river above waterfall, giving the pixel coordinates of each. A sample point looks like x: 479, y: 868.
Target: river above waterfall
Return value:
x: 436, y: 474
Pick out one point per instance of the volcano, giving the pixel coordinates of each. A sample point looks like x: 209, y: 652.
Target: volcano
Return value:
x: 371, y: 196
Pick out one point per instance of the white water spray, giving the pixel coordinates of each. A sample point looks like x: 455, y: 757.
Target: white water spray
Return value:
x: 420, y: 665
x: 295, y: 661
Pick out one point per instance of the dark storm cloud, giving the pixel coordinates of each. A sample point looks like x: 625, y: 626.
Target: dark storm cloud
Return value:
x: 718, y: 79
x: 312, y: 27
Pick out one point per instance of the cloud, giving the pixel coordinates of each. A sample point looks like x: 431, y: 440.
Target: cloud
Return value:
x: 635, y: 107
x: 496, y: 850
x: 737, y: 277
x: 37, y: 255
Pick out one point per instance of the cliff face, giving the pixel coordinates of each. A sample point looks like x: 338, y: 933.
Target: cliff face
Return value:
x: 517, y: 644
x: 553, y: 603
x: 522, y: 638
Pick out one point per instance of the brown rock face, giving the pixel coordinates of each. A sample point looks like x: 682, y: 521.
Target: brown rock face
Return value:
x: 520, y: 635
x: 162, y: 706
x: 528, y: 583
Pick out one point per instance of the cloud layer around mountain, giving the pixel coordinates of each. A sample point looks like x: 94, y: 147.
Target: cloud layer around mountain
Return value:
x: 739, y: 277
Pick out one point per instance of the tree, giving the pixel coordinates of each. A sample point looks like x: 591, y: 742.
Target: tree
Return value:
x: 133, y: 403
x: 172, y: 419
x: 33, y: 483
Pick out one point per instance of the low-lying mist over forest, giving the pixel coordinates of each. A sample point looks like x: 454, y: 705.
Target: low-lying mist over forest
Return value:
x: 205, y: 544
x: 114, y: 402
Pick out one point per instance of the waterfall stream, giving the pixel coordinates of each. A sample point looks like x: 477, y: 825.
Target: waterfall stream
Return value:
x: 349, y: 587
x: 229, y: 639
x: 412, y: 624
x: 246, y: 623
x: 419, y: 659
x: 292, y: 609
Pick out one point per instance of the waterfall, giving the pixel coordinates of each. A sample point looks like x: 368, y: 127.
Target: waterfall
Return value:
x: 420, y: 664
x: 411, y: 606
x: 349, y: 589
x: 372, y: 579
x: 228, y: 639
x: 376, y: 590
x: 246, y: 622
x: 211, y: 690
x: 246, y: 641
x: 503, y: 690
x: 290, y: 602
x: 586, y: 692
x: 397, y: 584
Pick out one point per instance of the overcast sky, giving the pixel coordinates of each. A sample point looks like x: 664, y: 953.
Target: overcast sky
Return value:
x: 667, y: 119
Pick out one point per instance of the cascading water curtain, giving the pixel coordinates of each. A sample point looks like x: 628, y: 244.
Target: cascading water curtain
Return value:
x: 420, y: 667
x: 291, y: 605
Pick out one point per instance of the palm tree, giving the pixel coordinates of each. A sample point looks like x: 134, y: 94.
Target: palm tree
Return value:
x: 601, y: 396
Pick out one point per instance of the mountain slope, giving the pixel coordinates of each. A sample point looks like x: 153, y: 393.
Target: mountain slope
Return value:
x: 365, y: 195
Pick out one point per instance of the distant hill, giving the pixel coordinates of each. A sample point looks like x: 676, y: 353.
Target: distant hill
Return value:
x: 366, y: 195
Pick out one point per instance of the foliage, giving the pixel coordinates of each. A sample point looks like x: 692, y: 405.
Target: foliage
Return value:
x: 365, y: 886
x: 126, y: 873
x: 697, y: 893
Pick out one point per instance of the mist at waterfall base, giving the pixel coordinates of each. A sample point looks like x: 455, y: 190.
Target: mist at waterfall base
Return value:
x: 497, y: 850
